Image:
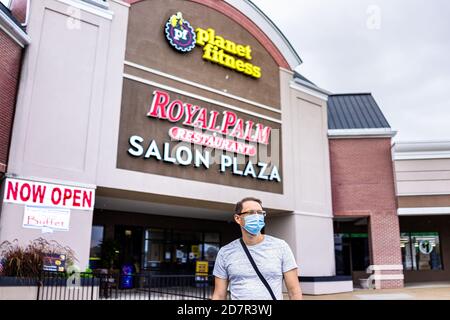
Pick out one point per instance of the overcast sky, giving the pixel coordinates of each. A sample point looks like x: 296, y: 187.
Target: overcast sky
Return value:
x: 397, y: 49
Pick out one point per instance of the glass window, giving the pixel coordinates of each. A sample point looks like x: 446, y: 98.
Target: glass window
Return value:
x: 351, y: 252
x: 421, y: 251
x: 153, y: 254
x: 96, y: 241
x: 154, y: 234
x: 210, y: 251
x: 177, y: 251
x: 405, y: 244
x: 212, y: 237
x: 342, y: 255
x: 183, y: 236
x: 154, y: 249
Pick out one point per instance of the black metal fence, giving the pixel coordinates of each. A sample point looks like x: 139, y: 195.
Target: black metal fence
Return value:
x: 87, y: 286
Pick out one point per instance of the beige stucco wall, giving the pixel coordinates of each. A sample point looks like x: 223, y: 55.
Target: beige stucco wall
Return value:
x: 423, y: 176
x: 77, y: 238
x: 311, y: 240
x: 56, y: 132
x: 309, y: 228
x: 305, y: 161
x: 422, y: 168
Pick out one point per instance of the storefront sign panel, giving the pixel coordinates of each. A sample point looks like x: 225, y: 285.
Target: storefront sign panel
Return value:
x: 46, y: 218
x: 55, y: 262
x: 216, y: 48
x: 46, y: 194
x: 226, y: 57
x: 167, y: 133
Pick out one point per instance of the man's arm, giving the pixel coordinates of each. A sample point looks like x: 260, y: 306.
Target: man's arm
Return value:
x: 293, y: 285
x: 220, y: 289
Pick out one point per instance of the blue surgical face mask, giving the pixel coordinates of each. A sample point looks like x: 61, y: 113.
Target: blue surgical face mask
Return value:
x: 254, y: 223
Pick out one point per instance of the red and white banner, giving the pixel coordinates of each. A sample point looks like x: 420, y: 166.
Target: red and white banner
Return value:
x: 49, y: 195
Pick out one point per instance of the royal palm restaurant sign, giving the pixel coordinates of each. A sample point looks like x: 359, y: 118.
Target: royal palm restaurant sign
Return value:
x: 194, y: 124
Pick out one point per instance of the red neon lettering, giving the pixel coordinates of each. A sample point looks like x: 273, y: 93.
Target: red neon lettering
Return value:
x: 87, y: 199
x: 202, y: 119
x: 67, y: 195
x: 159, y: 104
x: 238, y: 130
x: 56, y: 191
x: 229, y: 120
x: 173, y: 106
x: 76, y: 196
x: 12, y: 188
x: 213, y: 120
x: 248, y: 132
x: 174, y: 133
x: 262, y: 134
x: 26, y: 187
x: 191, y: 111
x: 39, y: 193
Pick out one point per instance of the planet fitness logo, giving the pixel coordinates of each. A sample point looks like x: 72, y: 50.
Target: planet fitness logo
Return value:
x: 180, y: 33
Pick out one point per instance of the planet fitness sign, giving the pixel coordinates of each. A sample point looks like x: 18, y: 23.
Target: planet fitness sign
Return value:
x: 208, y: 129
x: 216, y: 49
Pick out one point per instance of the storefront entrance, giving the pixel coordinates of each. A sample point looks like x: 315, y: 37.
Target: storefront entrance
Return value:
x: 351, y: 243
x: 158, y: 244
x: 165, y: 251
x: 424, y: 243
x: 130, y: 240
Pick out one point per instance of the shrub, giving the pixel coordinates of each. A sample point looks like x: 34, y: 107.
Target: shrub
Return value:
x: 88, y: 273
x: 27, y: 261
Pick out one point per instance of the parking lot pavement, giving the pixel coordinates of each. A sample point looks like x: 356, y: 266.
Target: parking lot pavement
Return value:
x: 418, y: 292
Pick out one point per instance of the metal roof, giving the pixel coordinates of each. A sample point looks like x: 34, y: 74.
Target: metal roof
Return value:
x: 355, y: 111
x: 299, y: 76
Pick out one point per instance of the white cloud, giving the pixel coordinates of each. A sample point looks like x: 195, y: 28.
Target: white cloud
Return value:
x: 405, y: 63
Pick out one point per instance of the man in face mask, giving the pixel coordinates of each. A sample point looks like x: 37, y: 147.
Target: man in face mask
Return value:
x: 273, y: 261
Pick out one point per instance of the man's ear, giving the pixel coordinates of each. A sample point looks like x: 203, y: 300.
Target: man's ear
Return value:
x: 237, y: 219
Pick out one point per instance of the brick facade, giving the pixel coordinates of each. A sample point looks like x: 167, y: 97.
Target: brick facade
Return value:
x: 363, y: 185
x: 10, y: 62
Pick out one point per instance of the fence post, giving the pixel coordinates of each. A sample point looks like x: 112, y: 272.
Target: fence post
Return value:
x: 204, y: 283
x: 149, y: 286
x: 92, y: 287
x: 39, y: 284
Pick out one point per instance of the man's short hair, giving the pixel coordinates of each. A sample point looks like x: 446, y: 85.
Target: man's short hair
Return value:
x: 240, y: 204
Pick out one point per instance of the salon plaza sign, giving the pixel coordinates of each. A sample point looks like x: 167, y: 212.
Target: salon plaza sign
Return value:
x: 236, y: 139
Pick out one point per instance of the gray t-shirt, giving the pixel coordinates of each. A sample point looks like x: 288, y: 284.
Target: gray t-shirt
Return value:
x: 273, y: 258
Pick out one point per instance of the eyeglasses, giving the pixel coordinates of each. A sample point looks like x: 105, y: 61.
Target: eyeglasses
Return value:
x: 260, y: 212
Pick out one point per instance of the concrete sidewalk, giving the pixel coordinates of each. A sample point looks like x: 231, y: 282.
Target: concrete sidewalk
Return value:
x: 437, y: 291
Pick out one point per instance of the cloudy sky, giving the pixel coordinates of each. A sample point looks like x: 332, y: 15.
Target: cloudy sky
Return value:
x: 397, y: 49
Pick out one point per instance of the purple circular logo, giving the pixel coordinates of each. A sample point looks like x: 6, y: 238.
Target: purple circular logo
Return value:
x: 180, y: 33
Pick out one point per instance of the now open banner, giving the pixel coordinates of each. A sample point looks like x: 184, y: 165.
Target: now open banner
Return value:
x: 48, y: 195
